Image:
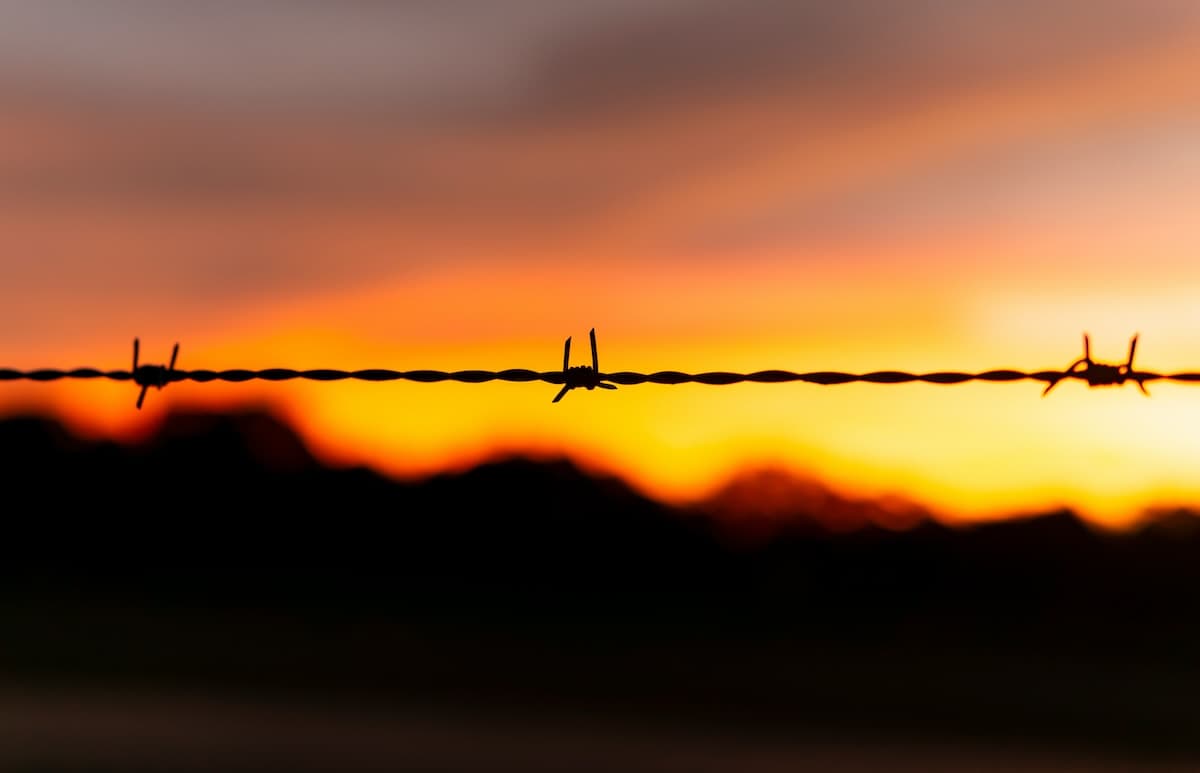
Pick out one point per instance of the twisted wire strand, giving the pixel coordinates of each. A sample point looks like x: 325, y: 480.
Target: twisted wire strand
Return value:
x: 624, y: 378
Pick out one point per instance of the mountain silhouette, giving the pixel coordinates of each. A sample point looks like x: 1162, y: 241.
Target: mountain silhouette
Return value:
x: 765, y: 503
x: 220, y: 497
x: 220, y: 551
x: 215, y: 498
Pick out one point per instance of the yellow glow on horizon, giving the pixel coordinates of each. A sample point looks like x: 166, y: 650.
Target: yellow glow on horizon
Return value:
x: 909, y: 220
x: 972, y: 451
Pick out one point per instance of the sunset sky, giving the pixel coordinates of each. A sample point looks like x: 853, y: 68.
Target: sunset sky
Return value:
x: 711, y: 185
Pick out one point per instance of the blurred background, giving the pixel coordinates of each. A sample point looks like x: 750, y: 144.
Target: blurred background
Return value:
x: 360, y: 574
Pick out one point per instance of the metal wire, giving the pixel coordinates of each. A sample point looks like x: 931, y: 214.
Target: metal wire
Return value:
x: 158, y: 376
x: 624, y: 378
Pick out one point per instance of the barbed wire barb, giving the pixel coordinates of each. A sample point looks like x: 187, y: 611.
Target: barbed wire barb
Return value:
x: 581, y: 375
x: 157, y: 376
x: 1100, y: 374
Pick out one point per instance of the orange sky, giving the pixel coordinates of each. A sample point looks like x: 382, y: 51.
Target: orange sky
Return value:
x: 711, y: 187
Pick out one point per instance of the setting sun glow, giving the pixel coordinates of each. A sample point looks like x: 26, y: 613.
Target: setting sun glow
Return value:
x: 973, y: 197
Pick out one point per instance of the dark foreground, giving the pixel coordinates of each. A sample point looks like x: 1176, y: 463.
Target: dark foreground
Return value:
x: 217, y: 600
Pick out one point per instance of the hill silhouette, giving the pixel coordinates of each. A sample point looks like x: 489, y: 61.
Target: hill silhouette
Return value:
x: 220, y: 552
x: 765, y: 503
x: 224, y: 499
x: 232, y: 502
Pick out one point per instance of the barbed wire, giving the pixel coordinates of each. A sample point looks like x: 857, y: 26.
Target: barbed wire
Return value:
x: 158, y: 376
x: 624, y: 378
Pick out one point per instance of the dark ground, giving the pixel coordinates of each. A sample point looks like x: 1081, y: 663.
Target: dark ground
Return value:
x: 215, y: 599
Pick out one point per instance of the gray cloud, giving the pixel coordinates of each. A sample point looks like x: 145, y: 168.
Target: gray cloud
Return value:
x: 538, y: 57
x: 469, y: 123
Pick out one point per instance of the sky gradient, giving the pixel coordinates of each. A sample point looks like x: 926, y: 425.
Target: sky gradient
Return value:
x: 855, y: 185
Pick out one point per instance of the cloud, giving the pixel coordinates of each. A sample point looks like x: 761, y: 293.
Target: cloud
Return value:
x: 848, y: 53
x: 233, y: 152
x: 467, y: 60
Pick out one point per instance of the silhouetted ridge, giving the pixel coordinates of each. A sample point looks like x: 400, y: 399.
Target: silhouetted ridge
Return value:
x: 1177, y: 523
x: 234, y: 504
x: 28, y: 438
x: 767, y: 503
x: 216, y: 498
x: 532, y: 578
x: 253, y: 437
